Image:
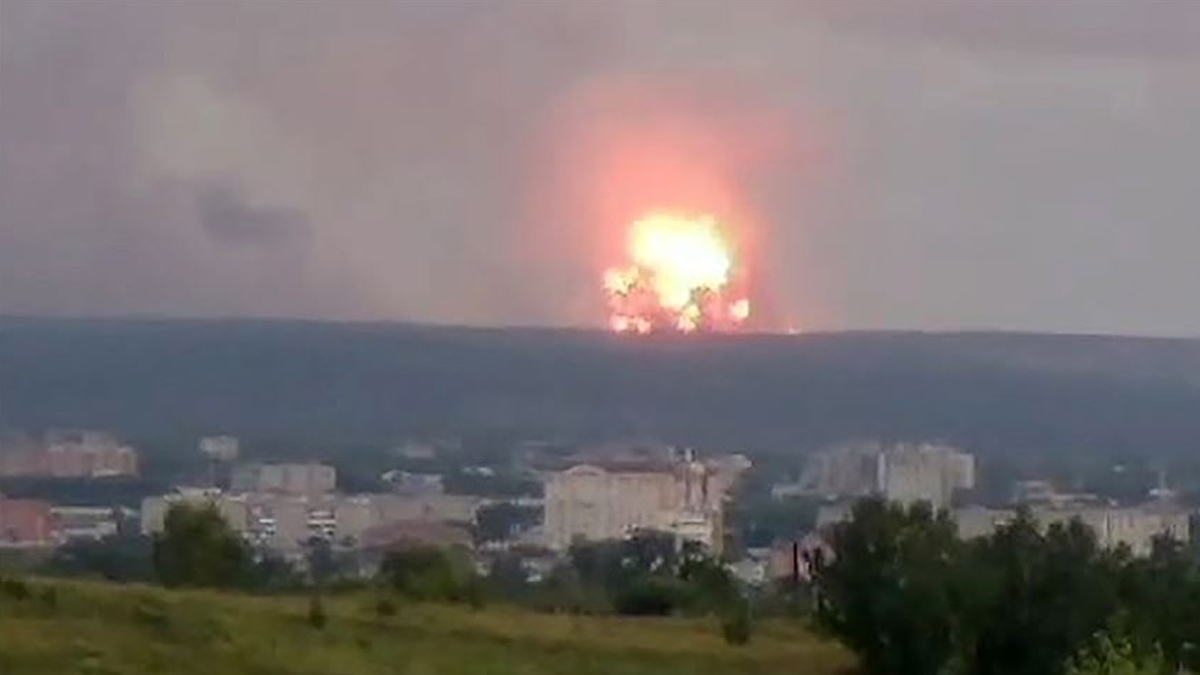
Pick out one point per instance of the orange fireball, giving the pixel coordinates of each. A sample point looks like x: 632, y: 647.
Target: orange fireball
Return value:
x: 678, y: 279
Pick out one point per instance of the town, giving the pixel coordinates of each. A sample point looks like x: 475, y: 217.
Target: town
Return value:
x: 529, y: 506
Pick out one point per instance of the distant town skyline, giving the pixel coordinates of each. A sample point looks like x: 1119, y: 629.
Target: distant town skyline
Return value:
x: 1022, y: 165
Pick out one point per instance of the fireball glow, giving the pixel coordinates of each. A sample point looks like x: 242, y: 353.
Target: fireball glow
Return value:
x: 679, y: 278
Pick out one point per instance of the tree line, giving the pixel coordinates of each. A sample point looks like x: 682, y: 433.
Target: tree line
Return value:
x: 902, y: 590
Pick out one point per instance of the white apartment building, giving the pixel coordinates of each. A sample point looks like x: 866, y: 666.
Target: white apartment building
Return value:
x: 901, y: 472
x: 296, y: 479
x: 1135, y: 527
x: 610, y: 500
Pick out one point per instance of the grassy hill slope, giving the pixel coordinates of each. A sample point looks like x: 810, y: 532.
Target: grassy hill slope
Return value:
x: 98, y: 628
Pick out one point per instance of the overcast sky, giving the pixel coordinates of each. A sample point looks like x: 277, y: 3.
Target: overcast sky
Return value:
x: 882, y: 163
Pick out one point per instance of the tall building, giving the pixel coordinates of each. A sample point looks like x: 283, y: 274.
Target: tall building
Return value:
x: 611, y: 499
x: 902, y: 472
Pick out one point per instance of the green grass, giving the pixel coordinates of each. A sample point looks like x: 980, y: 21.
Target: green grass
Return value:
x: 102, y: 629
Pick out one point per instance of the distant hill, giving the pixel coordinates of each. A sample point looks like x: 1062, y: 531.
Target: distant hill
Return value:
x: 333, y: 382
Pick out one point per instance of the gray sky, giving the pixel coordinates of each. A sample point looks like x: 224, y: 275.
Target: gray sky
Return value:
x: 884, y: 163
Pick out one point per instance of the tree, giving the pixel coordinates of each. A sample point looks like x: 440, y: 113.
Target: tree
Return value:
x: 1161, y: 595
x: 1106, y: 657
x: 500, y: 521
x: 198, y: 548
x: 114, y: 558
x: 1031, y: 601
x: 886, y: 592
x: 322, y: 564
x: 428, y: 573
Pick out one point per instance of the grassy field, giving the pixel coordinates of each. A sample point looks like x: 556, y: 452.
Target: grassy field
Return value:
x: 105, y: 629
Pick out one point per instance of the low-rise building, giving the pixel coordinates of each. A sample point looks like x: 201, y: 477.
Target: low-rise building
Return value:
x: 233, y: 508
x: 295, y: 479
x: 410, y: 483
x: 27, y: 523
x: 1133, y: 527
x: 89, y: 522
x: 286, y: 522
x: 70, y: 454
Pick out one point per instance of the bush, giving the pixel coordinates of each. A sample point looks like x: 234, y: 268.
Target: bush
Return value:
x: 316, y: 613
x: 426, y: 573
x: 648, y: 596
x: 385, y: 607
x: 736, y: 626
x: 151, y: 612
x: 15, y: 589
x: 1106, y: 657
x: 50, y: 597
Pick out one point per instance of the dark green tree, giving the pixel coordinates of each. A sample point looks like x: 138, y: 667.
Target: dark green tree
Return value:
x: 198, y: 548
x: 115, y: 558
x: 1161, y: 597
x: 886, y: 591
x: 428, y: 573
x: 497, y: 522
x: 1031, y: 601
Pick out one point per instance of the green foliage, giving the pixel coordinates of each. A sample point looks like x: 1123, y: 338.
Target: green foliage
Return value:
x: 198, y: 548
x: 1106, y: 657
x: 646, y: 574
x: 316, y: 613
x: 385, y: 607
x: 271, y: 573
x: 1031, y: 600
x: 736, y: 625
x: 116, y: 558
x: 427, y: 573
x: 14, y: 589
x: 709, y: 586
x: 885, y: 593
x: 648, y: 595
x: 1162, y: 602
x: 151, y: 612
x: 762, y: 519
x: 911, y: 599
x: 49, y: 597
x: 496, y: 522
x: 322, y: 564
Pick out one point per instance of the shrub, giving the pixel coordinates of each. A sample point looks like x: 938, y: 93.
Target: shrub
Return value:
x: 1106, y: 657
x: 151, y: 613
x: 50, y: 597
x: 316, y: 613
x: 15, y: 589
x: 648, y: 596
x: 385, y: 607
x: 736, y: 626
x: 426, y: 573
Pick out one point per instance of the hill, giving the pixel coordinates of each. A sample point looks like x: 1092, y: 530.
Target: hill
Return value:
x: 97, y: 628
x: 331, y: 383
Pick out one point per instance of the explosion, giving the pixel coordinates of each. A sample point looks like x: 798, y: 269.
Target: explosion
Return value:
x: 679, y: 278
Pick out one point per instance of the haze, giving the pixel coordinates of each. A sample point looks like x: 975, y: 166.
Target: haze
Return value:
x: 920, y: 164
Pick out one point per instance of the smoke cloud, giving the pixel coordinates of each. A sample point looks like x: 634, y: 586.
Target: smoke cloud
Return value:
x: 919, y: 164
